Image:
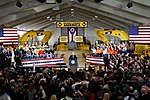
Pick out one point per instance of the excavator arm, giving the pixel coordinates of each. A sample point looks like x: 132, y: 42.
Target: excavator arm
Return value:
x: 34, y: 34
x: 48, y: 35
x: 118, y: 33
x: 101, y: 36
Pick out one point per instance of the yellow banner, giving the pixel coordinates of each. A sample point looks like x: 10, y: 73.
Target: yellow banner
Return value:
x: 63, y: 38
x: 78, y: 38
x: 71, y: 24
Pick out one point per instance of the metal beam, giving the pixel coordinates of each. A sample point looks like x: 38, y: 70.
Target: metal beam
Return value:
x: 34, y: 16
x: 105, y: 18
x: 142, y: 12
x: 106, y: 14
x: 112, y: 10
x: 112, y: 25
x: 29, y: 11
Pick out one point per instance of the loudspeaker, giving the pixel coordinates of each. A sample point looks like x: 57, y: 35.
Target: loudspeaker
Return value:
x: 130, y: 4
x: 58, y: 1
x: 41, y: 1
x: 19, y: 4
x: 80, y: 1
x: 97, y: 1
x: 50, y: 1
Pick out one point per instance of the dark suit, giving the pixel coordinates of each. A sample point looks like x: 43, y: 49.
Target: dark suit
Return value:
x: 106, y: 61
x: 9, y: 57
x: 73, y: 60
x: 73, y: 63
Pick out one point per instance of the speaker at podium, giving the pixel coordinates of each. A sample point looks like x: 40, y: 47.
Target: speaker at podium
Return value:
x: 73, y: 62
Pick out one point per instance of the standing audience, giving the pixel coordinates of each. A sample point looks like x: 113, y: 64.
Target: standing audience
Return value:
x: 129, y: 79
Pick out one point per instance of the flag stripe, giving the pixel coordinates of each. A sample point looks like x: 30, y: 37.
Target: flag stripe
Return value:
x: 7, y: 38
x: 15, y: 35
x: 3, y: 41
x: 144, y: 27
x: 10, y: 32
x: 10, y: 43
x: 139, y: 36
x: 144, y: 32
x: 146, y: 42
x: 43, y: 62
x: 138, y: 39
x: 98, y: 61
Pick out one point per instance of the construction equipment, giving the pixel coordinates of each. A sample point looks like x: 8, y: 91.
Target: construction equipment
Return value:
x: 139, y: 49
x: 118, y: 33
x: 34, y: 34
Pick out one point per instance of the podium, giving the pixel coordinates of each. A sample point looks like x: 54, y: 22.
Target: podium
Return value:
x: 73, y: 63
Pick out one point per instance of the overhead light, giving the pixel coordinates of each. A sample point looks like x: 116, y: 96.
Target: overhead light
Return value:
x: 96, y: 16
x: 97, y: 1
x: 72, y: 9
x: 130, y: 4
x: 41, y: 1
x: 72, y: 12
x: 19, y: 4
x: 58, y: 1
x: 50, y: 1
x: 48, y: 17
x: 56, y: 8
x: 80, y: 1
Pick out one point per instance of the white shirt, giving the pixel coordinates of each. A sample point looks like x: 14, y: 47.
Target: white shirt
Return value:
x: 94, y: 50
x: 127, y: 98
x: 5, y: 96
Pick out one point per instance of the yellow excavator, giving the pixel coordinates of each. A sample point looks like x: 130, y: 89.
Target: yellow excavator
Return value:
x: 34, y: 34
x: 118, y: 33
x: 139, y: 49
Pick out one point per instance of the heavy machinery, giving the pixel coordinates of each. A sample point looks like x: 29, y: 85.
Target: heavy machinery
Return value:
x: 118, y: 33
x: 34, y: 34
x: 139, y: 49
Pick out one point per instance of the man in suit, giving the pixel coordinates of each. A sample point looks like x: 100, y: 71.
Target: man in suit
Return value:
x: 9, y: 57
x: 106, y: 57
x: 73, y: 63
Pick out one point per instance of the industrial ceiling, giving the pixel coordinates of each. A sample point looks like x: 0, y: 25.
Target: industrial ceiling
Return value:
x: 107, y: 14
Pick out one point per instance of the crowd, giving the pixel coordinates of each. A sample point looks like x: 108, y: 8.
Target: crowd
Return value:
x: 129, y: 79
x: 11, y: 57
x: 122, y: 48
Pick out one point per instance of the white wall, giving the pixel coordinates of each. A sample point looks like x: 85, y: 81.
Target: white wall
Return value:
x: 57, y: 33
x: 90, y: 34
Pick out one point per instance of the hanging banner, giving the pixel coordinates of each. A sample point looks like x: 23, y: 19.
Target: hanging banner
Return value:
x: 78, y: 38
x: 71, y: 24
x: 63, y: 38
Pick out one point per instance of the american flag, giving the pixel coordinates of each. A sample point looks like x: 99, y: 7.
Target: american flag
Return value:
x: 139, y: 34
x: 98, y: 61
x: 72, y: 32
x: 8, y: 36
x: 43, y: 62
